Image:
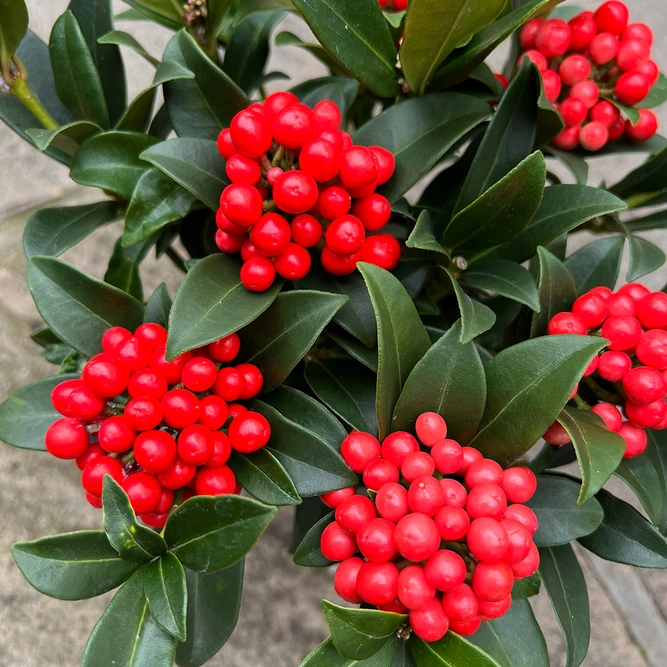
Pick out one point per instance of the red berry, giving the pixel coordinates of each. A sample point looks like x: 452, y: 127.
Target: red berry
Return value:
x: 339, y: 265
x: 155, y: 451
x: 529, y: 33
x: 345, y: 235
x: 377, y: 583
x: 105, y: 377
x: 147, y: 382
x: 430, y: 428
x: 652, y: 310
x: 603, y: 48
x: 61, y: 393
x: 258, y: 274
x: 294, y: 126
x: 171, y: 370
x: 447, y: 455
x: 636, y: 290
x: 635, y: 439
x: 632, y: 54
x: 166, y: 501
x: 84, y: 404
x: 254, y: 380
x: 144, y: 492
x: 417, y: 464
x: 249, y: 432
x: 345, y: 580
x: 143, y: 413
x: 250, y: 134
x: 225, y: 349
x: 417, y: 537
x: 225, y: 144
x: 414, y: 589
x: 293, y: 263
x: 276, y: 102
x: 195, y: 444
x: 574, y: 69
x: 396, y: 446
x: 229, y: 243
x: 519, y: 484
x: 652, y: 349
x: 335, y: 498
x: 222, y: 450
x: 491, y: 610
x: 359, y: 167
x: 229, y: 385
x: 552, y: 85
x: 93, y: 452
x: 650, y: 70
x: 582, y: 31
x: 587, y: 92
x: 613, y: 366
x: 359, y: 449
x: 295, y: 192
x: 461, y: 603
x: 199, y: 374
x: 644, y: 385
x: 452, y: 523
x: 591, y: 309
x: 155, y: 520
x: 519, y: 540
x: 623, y: 333
x: 177, y: 475
x: 606, y: 113
x: 333, y: 202
x: 612, y: 17
x: 646, y: 415
x: 213, y: 412
x: 306, y: 230
x: 455, y: 492
x: 215, y: 481
x: 638, y: 31
x: 593, y: 136
x: 116, y: 435
x: 386, y: 163
x: 93, y: 474
x: 242, y: 169
x: 319, y: 159
x: 524, y: 515
x: 553, y: 38
x: 556, y: 435
x: 567, y: 139
x: 392, y: 502
x: 67, y: 438
x: 354, y: 512
x: 485, y: 471
x: 271, y: 234
x: 113, y: 337
x: 373, y: 211
x: 336, y: 544
x: 566, y: 323
x: 430, y: 623
x: 425, y: 495
x: 380, y: 472
x: 382, y: 250
x: 445, y: 570
x: 573, y: 111
x: 181, y: 408
x: 241, y: 204
x: 528, y: 565
x: 492, y: 581
x: 486, y: 500
x: 376, y: 540
x: 631, y: 88
x: 487, y: 540
x: 645, y: 128
x: 469, y: 456
x: 535, y: 57
x: 609, y: 414
x: 327, y: 116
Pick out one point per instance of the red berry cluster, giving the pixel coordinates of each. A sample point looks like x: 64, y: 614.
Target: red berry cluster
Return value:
x: 155, y: 425
x: 294, y: 177
x: 396, y: 5
x: 633, y: 320
x: 445, y: 552
x: 594, y: 55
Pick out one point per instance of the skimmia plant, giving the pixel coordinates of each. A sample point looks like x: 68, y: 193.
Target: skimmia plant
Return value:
x: 381, y: 313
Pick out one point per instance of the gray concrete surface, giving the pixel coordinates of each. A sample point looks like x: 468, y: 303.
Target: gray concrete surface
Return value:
x: 280, y: 620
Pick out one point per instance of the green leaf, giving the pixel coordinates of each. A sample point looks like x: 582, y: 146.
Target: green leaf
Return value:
x: 214, y: 601
x: 127, y: 633
x: 434, y: 386
x: 290, y: 39
x: 575, y: 164
x: 657, y: 95
x: 194, y: 164
x: 165, y: 12
x: 248, y: 49
x: 356, y: 35
x: 326, y: 655
x: 111, y: 161
x: 514, y: 640
x: 121, y: 38
x: 78, y: 308
x: 419, y: 131
x: 67, y: 138
x: 156, y: 201
x: 313, y: 464
x: 596, y: 264
x: 505, y: 278
x: 131, y: 540
x: 355, y: 348
x: 536, y: 378
x: 308, y: 553
x: 566, y: 587
x: 203, y: 106
x: 402, y: 340
x: 645, y: 257
x: 476, y: 318
x: 123, y: 270
x: 212, y: 303
x: 599, y: 451
x: 167, y: 595
x: 451, y: 651
x: 158, y: 306
x: 264, y: 477
x: 210, y: 533
x: 360, y: 633
x: 281, y: 336
x: 339, y: 89
x: 72, y: 566
x: 347, y: 389
x: 403, y: 655
x: 77, y: 79
x: 625, y: 536
x: 28, y: 412
x: 434, y: 29
x: 560, y: 517
x: 13, y: 27
x: 527, y: 587
x: 424, y: 235
x: 647, y: 178
x: 563, y: 208
x: 629, y: 112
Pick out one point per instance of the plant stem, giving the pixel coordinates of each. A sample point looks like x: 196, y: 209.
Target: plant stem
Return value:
x: 22, y: 91
x: 581, y: 404
x: 601, y: 393
x: 175, y: 258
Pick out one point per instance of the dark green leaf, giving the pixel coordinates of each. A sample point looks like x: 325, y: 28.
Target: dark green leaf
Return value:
x: 308, y: 553
x: 575, y: 164
x: 131, y: 540
x: 356, y: 349
x: 127, y: 634
x: 596, y: 264
x: 72, y: 566
x: 653, y: 221
x: 13, y: 27
x: 356, y: 35
x: 67, y: 138
x: 402, y: 340
x: 625, y: 536
x: 121, y: 38
x: 263, y: 477
x: 123, y: 270
x: 166, y: 592
x: 657, y: 95
x: 347, y: 388
x: 527, y: 587
x: 203, y: 106
x: 419, y: 131
x: 536, y: 378
x: 648, y: 177
x: 433, y: 30
x: 212, y: 303
x: 561, y: 519
x: 402, y: 655
x: 314, y: 466
x: 566, y: 586
x: 210, y: 533
x: 165, y: 12
x: 78, y: 308
x: 279, y: 338
x: 451, y: 651
x: 360, y: 633
x: 326, y: 655
x: 645, y: 257
x: 193, y: 163
x: 214, y: 601
x: 515, y: 640
x: 290, y: 39
x: 158, y: 306
x: 434, y: 385
x: 424, y: 235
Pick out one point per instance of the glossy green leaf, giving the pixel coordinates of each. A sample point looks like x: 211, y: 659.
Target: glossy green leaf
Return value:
x: 78, y: 308
x: 402, y: 340
x: 326, y: 655
x: 451, y: 651
x: 290, y: 39
x: 166, y: 592
x: 645, y: 257
x: 527, y: 587
x: 424, y: 235
x: 13, y: 27
x: 72, y: 566
x: 120, y: 38
x: 131, y: 540
x: 111, y: 161
x: 281, y: 336
x: 657, y: 95
x: 77, y: 79
x: 212, y: 303
x: 360, y: 633
x: 419, y: 131
x: 596, y: 264
x: 158, y: 306
x: 165, y: 12
x: 210, y: 533
x: 28, y: 412
x: 123, y: 270
x: 355, y: 348
x: 561, y: 519
x: 127, y: 634
x: 563, y: 208
x: 625, y: 536
x: 356, y: 35
x: 204, y: 105
x: 67, y: 138
x: 194, y: 164
x: 214, y: 601
x: 647, y: 178
x: 433, y: 29
x: 314, y: 465
x: 575, y: 164
x: 264, y: 477
x: 308, y: 553
x: 434, y: 386
x: 556, y: 291
x: 535, y: 377
x: 515, y: 639
x: 599, y: 451
x: 645, y: 223
x: 347, y: 389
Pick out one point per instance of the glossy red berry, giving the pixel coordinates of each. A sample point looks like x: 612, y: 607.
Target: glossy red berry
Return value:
x: 116, y: 435
x: 229, y: 243
x: 606, y: 113
x: 417, y: 464
x: 373, y: 211
x: 225, y: 349
x: 623, y: 333
x: 382, y: 250
x: 319, y: 159
x: 460, y: 603
x: 652, y: 311
x: 225, y: 144
x: 417, y: 537
x: 631, y: 88
x: 178, y: 475
x: 552, y: 85
x: 587, y: 92
x: 195, y: 444
x: 380, y: 472
x: 354, y: 512
x: 147, y: 382
x: 391, y: 502
x: 485, y: 471
x: 144, y: 492
x: 113, y: 337
x: 492, y: 581
x: 258, y: 274
x: 487, y: 540
x: 429, y: 623
x: 646, y: 415
x: 335, y: 498
x: 293, y: 263
x: 105, y: 377
x: 359, y: 449
x: 455, y: 492
x: 67, y: 438
x: 528, y: 565
x: 603, y: 48
x: 635, y: 439
x: 612, y: 17
x: 519, y: 484
x: 94, y: 451
x: 377, y: 583
x: 276, y: 102
x: 222, y: 450
x: 452, y: 522
x: 414, y: 589
x: 529, y: 33
x: 295, y: 192
x: 652, y: 349
x: 486, y: 500
x: 327, y: 116
x: 430, y: 428
x: 386, y: 163
x: 84, y: 404
x: 359, y: 167
x: 609, y: 414
x: 61, y: 393
x: 524, y: 515
x: 447, y: 455
x: 566, y: 323
x: 181, y: 408
x: 345, y: 580
x: 445, y: 570
x: 593, y: 136
x: 339, y: 265
x: 573, y: 111
x: 650, y: 70
x: 171, y: 370
x: 199, y: 374
x: 294, y: 126
x: 556, y: 435
x: 567, y: 139
x: 241, y: 204
x: 396, y: 446
x: 213, y: 412
x: 306, y: 230
x: 376, y: 540
x: 553, y: 38
x: 469, y: 455
x: 229, y: 385
x: 632, y: 54
x: 93, y: 474
x: 646, y: 127
x: 144, y: 413
x: 535, y: 57
x: 345, y: 235
x: 582, y: 31
x: 519, y: 540
x: 644, y: 384
x: 336, y: 544
x: 249, y: 432
x: 271, y: 234
x: 215, y: 481
x: 425, y: 495
x: 613, y: 366
x: 152, y: 334
x: 574, y: 69
x: 591, y: 310
x: 242, y: 169
x: 491, y: 610
x: 155, y: 451
x: 250, y: 133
